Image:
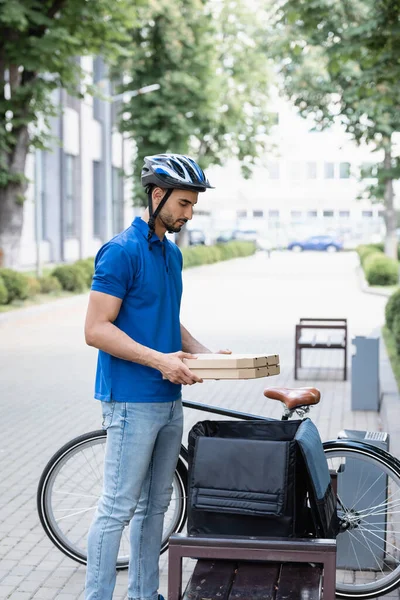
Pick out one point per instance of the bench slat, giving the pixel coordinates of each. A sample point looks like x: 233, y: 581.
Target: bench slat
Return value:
x: 299, y: 581
x: 255, y: 581
x: 211, y: 579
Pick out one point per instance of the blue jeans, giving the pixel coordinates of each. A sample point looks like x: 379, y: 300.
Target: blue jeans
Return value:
x: 142, y: 449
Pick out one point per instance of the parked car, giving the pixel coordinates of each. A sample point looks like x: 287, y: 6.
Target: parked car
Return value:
x: 326, y: 243
x: 245, y: 235
x: 197, y: 237
x: 224, y: 237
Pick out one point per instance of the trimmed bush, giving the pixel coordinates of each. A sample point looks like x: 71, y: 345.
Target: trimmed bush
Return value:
x: 205, y: 255
x: 392, y: 309
x: 87, y: 266
x: 381, y: 270
x: 16, y: 284
x: 49, y: 284
x: 71, y: 277
x: 396, y: 332
x: 365, y: 250
x: 33, y: 287
x: 3, y: 292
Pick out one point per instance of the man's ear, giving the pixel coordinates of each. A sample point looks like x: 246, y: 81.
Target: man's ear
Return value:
x: 157, y: 195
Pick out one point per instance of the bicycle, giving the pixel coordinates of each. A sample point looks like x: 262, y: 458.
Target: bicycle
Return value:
x: 368, y: 499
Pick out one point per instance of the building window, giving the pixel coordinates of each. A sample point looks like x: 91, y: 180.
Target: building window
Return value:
x: 295, y: 214
x: 273, y: 214
x: 344, y: 170
x: 241, y: 214
x: 328, y: 213
x: 312, y: 213
x: 329, y: 170
x: 273, y: 170
x: 311, y: 170
x: 366, y: 214
x: 97, y: 187
x: 344, y: 214
x: 70, y: 205
x: 295, y: 170
x: 99, y: 73
x: 117, y: 200
x: 258, y: 214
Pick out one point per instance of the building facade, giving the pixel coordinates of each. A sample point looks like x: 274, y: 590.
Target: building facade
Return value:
x: 306, y: 184
x: 78, y: 197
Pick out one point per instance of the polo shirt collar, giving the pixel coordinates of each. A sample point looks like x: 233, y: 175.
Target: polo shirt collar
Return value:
x: 143, y: 227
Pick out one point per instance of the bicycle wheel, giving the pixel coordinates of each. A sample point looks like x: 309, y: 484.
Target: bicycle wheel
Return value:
x: 368, y: 501
x: 70, y: 487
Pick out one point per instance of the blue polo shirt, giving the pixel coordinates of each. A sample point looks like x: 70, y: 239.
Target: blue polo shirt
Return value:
x: 149, y: 283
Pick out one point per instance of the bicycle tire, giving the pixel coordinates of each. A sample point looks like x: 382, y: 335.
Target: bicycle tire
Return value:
x: 342, y: 451
x: 368, y: 491
x: 64, y: 521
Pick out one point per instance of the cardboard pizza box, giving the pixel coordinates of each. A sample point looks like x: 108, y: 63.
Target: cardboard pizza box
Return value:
x: 251, y: 373
x: 231, y: 361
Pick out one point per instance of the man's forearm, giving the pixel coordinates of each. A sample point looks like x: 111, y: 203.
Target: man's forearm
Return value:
x: 114, y: 341
x: 190, y: 344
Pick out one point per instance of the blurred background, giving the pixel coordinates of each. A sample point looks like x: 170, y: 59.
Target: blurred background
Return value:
x: 292, y: 109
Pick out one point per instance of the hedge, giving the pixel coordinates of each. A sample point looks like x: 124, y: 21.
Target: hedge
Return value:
x: 381, y: 270
x: 204, y: 255
x: 16, y: 283
x: 72, y: 277
x: 3, y: 292
x: 77, y: 277
x: 392, y: 309
x: 365, y: 250
x: 87, y: 266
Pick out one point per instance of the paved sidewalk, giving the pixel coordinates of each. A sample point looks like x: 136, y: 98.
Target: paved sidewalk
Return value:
x: 249, y: 305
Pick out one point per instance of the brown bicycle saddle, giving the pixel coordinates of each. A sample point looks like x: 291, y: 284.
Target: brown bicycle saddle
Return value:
x: 294, y: 397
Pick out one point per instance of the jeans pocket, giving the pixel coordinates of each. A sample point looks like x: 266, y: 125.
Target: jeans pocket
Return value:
x: 108, y: 413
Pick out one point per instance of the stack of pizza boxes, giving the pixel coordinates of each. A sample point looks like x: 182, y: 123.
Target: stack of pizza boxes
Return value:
x: 234, y: 366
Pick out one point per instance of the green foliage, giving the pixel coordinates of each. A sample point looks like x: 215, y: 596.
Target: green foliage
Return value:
x: 87, y: 266
x: 213, y: 76
x: 33, y: 287
x: 381, y: 270
x: 39, y: 43
x: 339, y: 63
x: 392, y: 309
x: 16, y: 284
x: 396, y: 332
x: 49, y: 284
x: 364, y: 250
x: 72, y: 278
x: 204, y: 255
x: 3, y: 292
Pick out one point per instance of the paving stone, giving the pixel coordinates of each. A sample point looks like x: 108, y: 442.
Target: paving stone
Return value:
x: 48, y: 406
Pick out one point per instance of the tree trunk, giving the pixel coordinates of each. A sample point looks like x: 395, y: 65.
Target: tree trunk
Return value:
x: 390, y: 213
x: 12, y: 201
x: 11, y: 219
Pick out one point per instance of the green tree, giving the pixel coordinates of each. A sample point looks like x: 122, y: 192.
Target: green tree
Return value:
x: 213, y: 83
x: 340, y: 63
x: 39, y: 40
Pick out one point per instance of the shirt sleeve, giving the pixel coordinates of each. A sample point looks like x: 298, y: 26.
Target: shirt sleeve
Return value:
x: 113, y: 273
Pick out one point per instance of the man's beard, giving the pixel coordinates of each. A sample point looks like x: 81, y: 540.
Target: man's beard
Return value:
x: 172, y: 225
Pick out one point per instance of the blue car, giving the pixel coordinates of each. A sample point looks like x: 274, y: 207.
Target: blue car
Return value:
x: 317, y: 242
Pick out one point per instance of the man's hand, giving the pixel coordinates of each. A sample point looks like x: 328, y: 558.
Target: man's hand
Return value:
x: 173, y: 368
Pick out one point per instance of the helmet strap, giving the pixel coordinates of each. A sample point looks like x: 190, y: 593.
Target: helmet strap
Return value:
x: 153, y: 215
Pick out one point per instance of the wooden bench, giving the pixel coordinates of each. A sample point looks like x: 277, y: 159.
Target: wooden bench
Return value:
x: 232, y: 568
x: 320, y: 334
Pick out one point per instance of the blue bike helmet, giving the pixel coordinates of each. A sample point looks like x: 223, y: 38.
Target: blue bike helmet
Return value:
x: 174, y: 171
x: 170, y: 172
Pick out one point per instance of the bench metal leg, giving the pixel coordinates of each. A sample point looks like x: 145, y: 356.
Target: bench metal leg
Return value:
x: 174, y: 573
x: 251, y: 549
